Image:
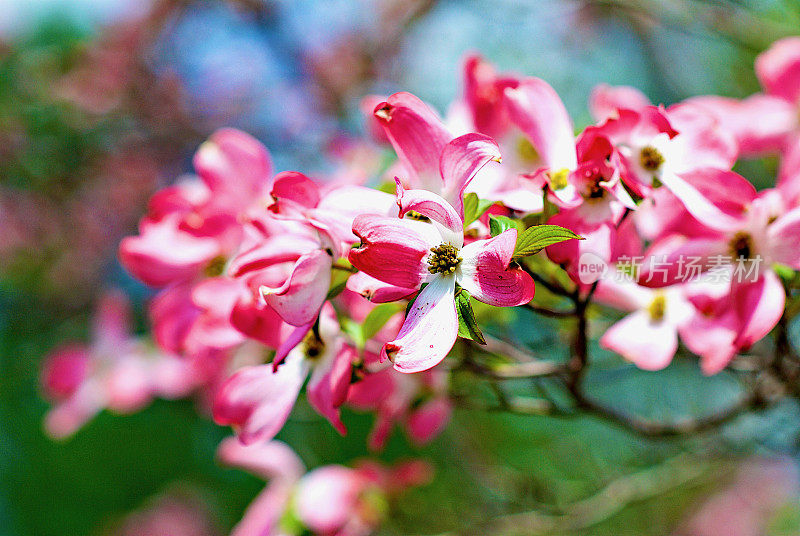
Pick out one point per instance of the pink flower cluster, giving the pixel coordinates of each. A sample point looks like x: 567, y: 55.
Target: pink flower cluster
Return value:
x: 331, y: 499
x: 268, y: 282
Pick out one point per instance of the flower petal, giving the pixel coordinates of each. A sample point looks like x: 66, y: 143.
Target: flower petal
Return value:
x: 429, y: 331
x: 393, y: 250
x: 606, y: 100
x: 267, y: 460
x: 328, y: 386
x: 485, y: 273
x: 461, y: 159
x: 295, y: 187
x: 299, y: 299
x: 537, y: 110
x: 784, y: 237
x: 434, y: 207
x: 759, y: 305
x: 778, y: 69
x: 649, y: 345
x: 417, y: 135
x: 376, y: 290
x: 257, y: 401
x: 235, y: 166
x: 693, y: 189
x: 162, y: 253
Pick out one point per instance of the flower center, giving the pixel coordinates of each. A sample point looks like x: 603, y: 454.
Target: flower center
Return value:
x: 741, y: 246
x: 558, y: 179
x: 650, y: 158
x: 414, y: 215
x: 657, y: 308
x: 526, y: 151
x: 594, y: 190
x: 215, y: 267
x: 313, y: 346
x: 444, y: 259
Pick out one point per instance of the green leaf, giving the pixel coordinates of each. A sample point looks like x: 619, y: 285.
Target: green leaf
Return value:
x: 354, y: 331
x: 499, y: 224
x: 467, y: 324
x: 377, y: 318
x: 535, y: 238
x: 474, y: 207
x: 784, y: 272
x: 338, y: 282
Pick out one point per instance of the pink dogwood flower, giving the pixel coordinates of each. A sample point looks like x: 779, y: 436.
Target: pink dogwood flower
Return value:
x: 116, y: 371
x: 648, y: 336
x: 431, y: 157
x: 330, y: 500
x: 408, y: 253
x: 768, y: 121
x: 257, y: 400
x: 418, y: 402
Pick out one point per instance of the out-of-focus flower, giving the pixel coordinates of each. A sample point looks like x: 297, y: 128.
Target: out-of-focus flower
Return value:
x: 746, y: 507
x: 332, y: 499
x: 116, y: 371
x: 176, y: 513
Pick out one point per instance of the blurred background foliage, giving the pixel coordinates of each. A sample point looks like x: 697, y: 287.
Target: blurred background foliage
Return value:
x: 104, y: 101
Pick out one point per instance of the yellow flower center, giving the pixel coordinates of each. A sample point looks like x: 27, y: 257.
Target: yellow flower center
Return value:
x: 650, y: 158
x: 444, y: 259
x: 657, y: 308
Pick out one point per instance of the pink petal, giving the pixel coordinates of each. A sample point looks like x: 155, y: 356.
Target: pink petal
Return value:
x: 112, y: 322
x: 328, y: 386
x: 671, y: 259
x: 537, y: 110
x: 417, y: 135
x: 623, y: 294
x: 778, y: 69
x: 760, y: 123
x: 698, y: 204
x: 256, y: 401
x: 728, y: 191
x: 258, y: 321
x: 789, y: 175
x: 485, y: 273
x: 712, y: 339
x: 376, y: 290
x: 67, y: 417
x: 483, y: 93
x: 708, y: 145
x: 290, y: 341
x: 235, y: 166
x: 172, y: 314
x: 64, y: 370
x: 162, y: 253
x: 350, y: 201
x: 299, y: 299
x: 273, y: 461
x: 429, y: 331
x: 461, y: 160
x: 784, y: 239
x: 217, y: 297
x: 428, y: 420
x: 650, y: 345
x: 605, y: 100
x: 434, y: 207
x: 759, y: 305
x: 266, y: 460
x: 393, y: 250
x: 295, y: 187
x: 327, y: 498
